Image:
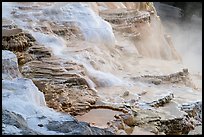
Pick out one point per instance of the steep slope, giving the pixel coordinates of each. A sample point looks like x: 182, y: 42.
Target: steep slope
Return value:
x: 90, y: 56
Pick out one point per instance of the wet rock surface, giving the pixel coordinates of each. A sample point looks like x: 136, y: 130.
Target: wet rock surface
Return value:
x: 17, y: 122
x: 19, y: 94
x: 177, y: 126
x: 194, y: 110
x: 68, y: 31
x: 136, y: 26
x: 127, y: 22
x: 162, y: 101
x: 182, y: 77
x: 153, y: 121
x: 16, y: 40
x: 66, y: 84
x: 76, y: 128
x: 11, y: 120
x: 158, y: 121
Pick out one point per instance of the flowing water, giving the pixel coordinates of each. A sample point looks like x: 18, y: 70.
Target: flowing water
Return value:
x: 110, y: 61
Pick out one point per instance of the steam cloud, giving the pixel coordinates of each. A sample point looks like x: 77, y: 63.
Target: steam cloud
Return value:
x: 187, y: 39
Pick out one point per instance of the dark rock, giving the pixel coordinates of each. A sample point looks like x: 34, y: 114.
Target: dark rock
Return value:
x: 156, y: 82
x: 76, y: 128
x: 128, y: 119
x: 162, y: 101
x: 194, y: 110
x: 39, y: 52
x: 40, y: 125
x: 30, y: 37
x: 126, y: 93
x: 176, y: 126
x: 16, y: 120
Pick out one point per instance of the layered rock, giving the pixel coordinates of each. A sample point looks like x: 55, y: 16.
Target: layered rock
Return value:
x: 18, y: 119
x: 100, y: 6
x: 152, y: 122
x: 177, y: 126
x: 49, y: 74
x: 25, y: 111
x: 194, y: 110
x: 68, y: 31
x: 158, y: 122
x: 141, y: 25
x: 64, y: 84
x: 181, y: 77
x: 16, y: 40
x: 126, y: 21
x: 162, y: 101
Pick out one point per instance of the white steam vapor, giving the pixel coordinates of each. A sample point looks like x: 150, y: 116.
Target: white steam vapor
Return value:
x: 187, y: 39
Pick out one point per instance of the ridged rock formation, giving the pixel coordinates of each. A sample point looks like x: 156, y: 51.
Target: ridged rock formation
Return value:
x: 16, y: 40
x: 139, y: 26
x: 181, y: 77
x: 75, y: 57
x: 24, y: 111
x: 194, y: 110
x: 177, y: 126
x: 162, y: 101
x: 64, y: 84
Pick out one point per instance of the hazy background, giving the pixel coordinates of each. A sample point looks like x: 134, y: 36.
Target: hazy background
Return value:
x: 183, y: 21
